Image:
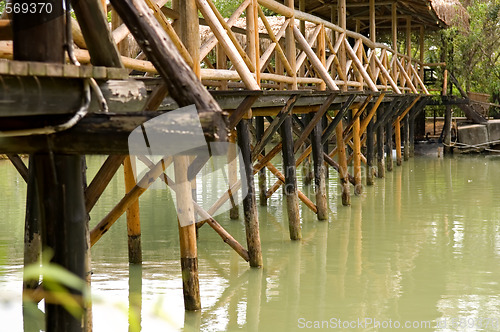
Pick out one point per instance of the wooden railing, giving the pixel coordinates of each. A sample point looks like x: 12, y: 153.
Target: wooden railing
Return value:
x: 323, y: 56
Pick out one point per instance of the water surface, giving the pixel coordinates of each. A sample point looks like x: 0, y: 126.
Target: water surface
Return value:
x: 421, y: 246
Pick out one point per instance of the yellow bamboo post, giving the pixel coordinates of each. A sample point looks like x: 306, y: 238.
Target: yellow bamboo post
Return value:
x: 358, y: 186
x: 342, y: 22
x: 321, y: 52
x: 253, y: 50
x: 302, y: 28
x: 190, y: 32
x: 394, y: 15
x: 422, y: 51
x: 221, y: 64
x: 133, y: 215
x: 234, y: 212
x: 290, y: 47
x: 397, y: 134
x: 408, y: 43
x: 373, y: 38
x: 187, y: 235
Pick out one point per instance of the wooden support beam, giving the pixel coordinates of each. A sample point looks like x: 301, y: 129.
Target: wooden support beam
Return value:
x: 370, y: 153
x: 242, y: 110
x: 358, y: 186
x: 19, y: 165
x: 259, y: 131
x: 232, y: 161
x: 397, y: 135
x: 105, y: 224
x: 101, y: 180
x: 394, y: 28
x: 249, y: 202
x: 406, y: 138
x: 253, y: 43
x: 380, y: 143
x: 187, y: 235
x: 290, y: 189
x: 64, y: 224
x: 343, y: 171
x: 388, y: 145
x: 328, y: 132
x: 319, y: 171
x: 274, y: 126
x: 133, y: 215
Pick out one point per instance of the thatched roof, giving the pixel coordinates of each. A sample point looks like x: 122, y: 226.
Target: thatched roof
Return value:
x: 432, y: 14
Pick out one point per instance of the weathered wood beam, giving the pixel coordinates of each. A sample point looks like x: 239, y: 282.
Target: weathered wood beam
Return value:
x: 19, y: 165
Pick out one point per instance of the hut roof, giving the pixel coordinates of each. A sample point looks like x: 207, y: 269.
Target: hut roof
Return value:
x: 432, y: 14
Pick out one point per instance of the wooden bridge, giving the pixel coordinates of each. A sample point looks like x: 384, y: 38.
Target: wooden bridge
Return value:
x: 318, y: 77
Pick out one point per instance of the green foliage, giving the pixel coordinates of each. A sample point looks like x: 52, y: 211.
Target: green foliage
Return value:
x: 474, y: 55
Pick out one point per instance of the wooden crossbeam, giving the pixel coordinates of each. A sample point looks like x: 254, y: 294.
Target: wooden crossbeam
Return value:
x: 19, y: 165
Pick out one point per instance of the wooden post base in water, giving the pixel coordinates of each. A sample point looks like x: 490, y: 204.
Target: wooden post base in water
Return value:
x: 249, y: 202
x: 319, y: 172
x: 290, y: 188
x: 133, y: 216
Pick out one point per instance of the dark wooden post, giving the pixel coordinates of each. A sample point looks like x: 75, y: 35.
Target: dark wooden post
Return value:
x: 64, y: 225
x: 343, y: 171
x: 290, y: 188
x: 397, y: 135
x: 358, y: 186
x: 370, y: 153
x: 411, y: 131
x: 259, y: 130
x: 234, y: 211
x: 380, y: 143
x: 406, y: 138
x: 58, y: 178
x: 307, y: 170
x: 319, y: 171
x: 249, y: 202
x: 324, y: 124
x: 388, y: 144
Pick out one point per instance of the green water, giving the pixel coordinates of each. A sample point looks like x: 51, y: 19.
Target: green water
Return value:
x: 421, y: 246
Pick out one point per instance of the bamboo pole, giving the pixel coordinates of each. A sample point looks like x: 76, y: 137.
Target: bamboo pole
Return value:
x: 321, y: 52
x: 253, y: 42
x: 323, y: 73
x: 370, y: 141
x: 290, y: 45
x: 397, y: 134
x: 394, y: 24
x: 229, y: 47
x: 133, y: 215
x: 380, y: 144
x: 359, y: 66
x: 358, y: 187
x: 187, y: 235
x: 290, y: 189
x: 422, y: 51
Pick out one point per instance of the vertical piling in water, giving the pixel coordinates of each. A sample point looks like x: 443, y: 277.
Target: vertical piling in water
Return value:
x: 63, y: 219
x: 234, y: 211
x: 380, y: 144
x: 290, y: 187
x: 370, y: 153
x: 249, y: 202
x: 259, y: 130
x: 358, y: 186
x: 133, y: 215
x: 397, y: 135
x: 319, y: 172
x: 307, y: 170
x: 324, y: 124
x: 411, y: 131
x: 388, y: 144
x: 406, y: 138
x: 343, y: 170
x: 187, y: 235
